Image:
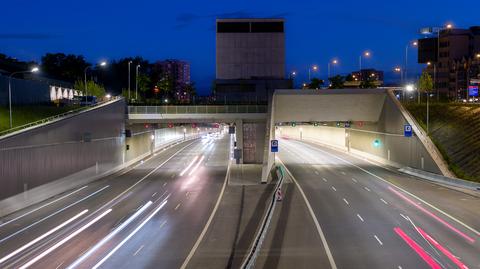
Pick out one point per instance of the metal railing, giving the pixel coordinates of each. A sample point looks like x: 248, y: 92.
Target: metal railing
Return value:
x: 207, y: 109
x: 249, y: 261
x: 54, y: 117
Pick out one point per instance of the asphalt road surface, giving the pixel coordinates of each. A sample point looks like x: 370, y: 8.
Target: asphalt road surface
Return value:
x: 148, y: 216
x: 374, y: 217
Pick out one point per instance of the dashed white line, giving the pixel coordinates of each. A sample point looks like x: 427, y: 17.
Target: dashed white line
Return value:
x: 165, y: 184
x: 345, y: 200
x: 380, y: 242
x: 399, y: 267
x: 316, y: 173
x: 333, y: 188
x: 360, y: 217
x: 138, y: 250
x: 154, y: 194
x: 343, y: 173
x: 178, y: 206
x: 403, y: 216
x: 324, y: 179
x: 354, y: 180
x: 385, y: 202
x: 367, y: 189
x: 163, y: 223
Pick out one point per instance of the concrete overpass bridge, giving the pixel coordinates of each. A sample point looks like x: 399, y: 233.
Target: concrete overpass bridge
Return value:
x: 366, y: 122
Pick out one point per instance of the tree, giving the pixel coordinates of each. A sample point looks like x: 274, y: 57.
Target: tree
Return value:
x: 349, y: 77
x: 337, y: 82
x: 92, y: 88
x: 425, y: 84
x: 165, y: 84
x: 368, y: 83
x: 144, y: 85
x: 315, y: 83
x: 64, y: 67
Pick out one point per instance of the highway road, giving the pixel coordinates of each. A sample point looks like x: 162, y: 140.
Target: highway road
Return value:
x: 372, y: 217
x: 148, y: 216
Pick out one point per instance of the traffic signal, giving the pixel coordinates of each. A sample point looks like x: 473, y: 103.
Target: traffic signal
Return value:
x: 315, y: 124
x: 376, y: 143
x: 294, y: 124
x: 170, y: 125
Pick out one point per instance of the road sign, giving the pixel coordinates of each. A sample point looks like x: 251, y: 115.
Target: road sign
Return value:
x: 407, y: 130
x: 274, y: 146
x: 347, y: 124
x: 473, y: 90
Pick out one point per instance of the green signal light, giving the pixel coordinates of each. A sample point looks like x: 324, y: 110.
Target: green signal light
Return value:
x: 294, y: 124
x: 376, y: 143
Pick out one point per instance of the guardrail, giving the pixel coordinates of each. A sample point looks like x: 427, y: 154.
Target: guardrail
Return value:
x: 207, y: 109
x: 249, y: 262
x: 54, y: 117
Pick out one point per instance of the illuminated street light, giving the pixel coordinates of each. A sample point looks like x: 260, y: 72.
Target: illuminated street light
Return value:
x: 449, y: 26
x: 166, y: 100
x: 409, y: 88
x: 478, y: 55
x: 410, y: 44
x: 102, y: 64
x: 33, y: 70
x: 314, y: 68
x: 333, y: 62
x: 365, y: 54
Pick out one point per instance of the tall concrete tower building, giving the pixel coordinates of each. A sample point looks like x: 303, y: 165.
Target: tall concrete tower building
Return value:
x: 250, y: 58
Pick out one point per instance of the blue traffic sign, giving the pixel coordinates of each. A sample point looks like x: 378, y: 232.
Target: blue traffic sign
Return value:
x: 407, y: 130
x: 274, y: 146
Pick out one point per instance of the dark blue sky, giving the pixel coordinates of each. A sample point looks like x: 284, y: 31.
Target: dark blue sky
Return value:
x: 316, y: 30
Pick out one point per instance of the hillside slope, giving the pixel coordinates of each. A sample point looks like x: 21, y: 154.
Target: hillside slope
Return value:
x: 455, y: 129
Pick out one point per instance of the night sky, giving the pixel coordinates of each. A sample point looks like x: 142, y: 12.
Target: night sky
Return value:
x: 316, y: 31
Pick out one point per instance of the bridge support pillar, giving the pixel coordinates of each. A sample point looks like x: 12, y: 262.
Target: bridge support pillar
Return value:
x: 239, y: 136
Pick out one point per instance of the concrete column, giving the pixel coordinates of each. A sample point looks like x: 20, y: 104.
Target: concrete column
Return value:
x: 239, y: 136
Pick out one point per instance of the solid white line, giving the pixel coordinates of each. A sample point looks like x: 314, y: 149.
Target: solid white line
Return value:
x: 345, y: 200
x: 411, y: 194
x: 354, y: 180
x: 333, y: 188
x: 385, y: 202
x: 42, y: 236
x: 51, y: 215
x: 403, y: 216
x: 196, y: 166
x: 360, y: 217
x: 129, y: 236
x: 63, y: 241
x: 204, y: 231
x: 315, y: 220
x: 109, y: 236
x: 380, y: 242
x: 138, y: 250
x: 367, y: 189
x: 188, y: 167
x: 40, y: 207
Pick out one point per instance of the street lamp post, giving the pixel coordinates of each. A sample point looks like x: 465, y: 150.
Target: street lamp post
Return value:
x: 314, y: 68
x: 293, y: 74
x: 333, y: 62
x: 129, y: 63
x: 366, y: 54
x: 136, y: 81
x: 85, y: 77
x: 414, y: 43
x: 33, y: 70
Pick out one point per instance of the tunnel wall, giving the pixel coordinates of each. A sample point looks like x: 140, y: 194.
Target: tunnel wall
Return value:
x: 44, y: 161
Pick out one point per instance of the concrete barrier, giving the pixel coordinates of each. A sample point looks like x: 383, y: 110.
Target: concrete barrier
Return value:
x: 455, y: 182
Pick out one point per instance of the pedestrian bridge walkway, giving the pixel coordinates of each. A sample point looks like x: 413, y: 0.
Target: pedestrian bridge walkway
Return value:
x: 201, y: 113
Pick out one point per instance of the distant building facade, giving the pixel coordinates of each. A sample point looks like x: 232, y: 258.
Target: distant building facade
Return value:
x: 355, y: 78
x: 250, y: 58
x: 178, y: 72
x: 453, y: 60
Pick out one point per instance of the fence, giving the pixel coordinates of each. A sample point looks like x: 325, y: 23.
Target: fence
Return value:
x: 208, y: 109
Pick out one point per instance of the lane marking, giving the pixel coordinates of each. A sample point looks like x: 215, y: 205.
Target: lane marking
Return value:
x: 409, y: 193
x: 165, y: 184
x: 403, y: 216
x: 380, y: 242
x: 189, y: 165
x: 360, y: 217
x: 18, y: 250
x: 333, y: 188
x: 385, y: 202
x: 418, y: 249
x: 354, y: 180
x: 204, y: 231
x: 345, y: 200
x: 316, y: 173
x: 138, y: 250
x: 446, y: 224
x: 445, y: 251
x: 163, y: 223
x: 109, y: 236
x: 343, y: 173
x: 367, y: 189
x: 196, y: 166
x: 130, y: 235
x: 315, y: 220
x: 178, y: 206
x: 154, y: 194
x: 324, y: 179
x: 64, y: 240
x: 40, y: 207
x: 51, y: 215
